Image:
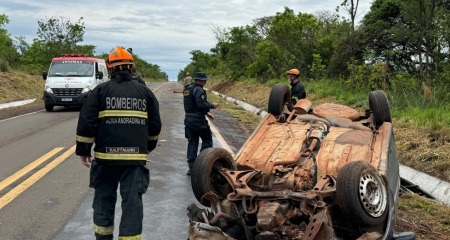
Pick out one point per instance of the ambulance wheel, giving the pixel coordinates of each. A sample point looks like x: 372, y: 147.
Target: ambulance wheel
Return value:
x: 49, y: 107
x: 206, y: 176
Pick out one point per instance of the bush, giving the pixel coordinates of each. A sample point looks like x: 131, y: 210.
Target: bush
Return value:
x: 4, y: 66
x: 33, y: 69
x: 402, y: 81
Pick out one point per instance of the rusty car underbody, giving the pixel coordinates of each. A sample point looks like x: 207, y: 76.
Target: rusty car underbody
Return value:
x: 322, y: 173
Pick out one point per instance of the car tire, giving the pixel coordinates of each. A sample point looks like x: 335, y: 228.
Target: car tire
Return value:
x: 49, y: 107
x: 205, y: 173
x: 362, y: 194
x: 279, y: 96
x: 379, y: 105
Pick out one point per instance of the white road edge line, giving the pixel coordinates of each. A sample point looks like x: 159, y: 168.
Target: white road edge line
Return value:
x: 220, y: 138
x: 21, y: 115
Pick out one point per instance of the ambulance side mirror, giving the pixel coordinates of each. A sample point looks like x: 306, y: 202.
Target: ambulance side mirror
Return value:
x: 44, y: 75
x: 99, y: 75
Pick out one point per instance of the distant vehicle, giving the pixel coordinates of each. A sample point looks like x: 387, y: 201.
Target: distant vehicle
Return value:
x: 322, y: 173
x: 71, y: 78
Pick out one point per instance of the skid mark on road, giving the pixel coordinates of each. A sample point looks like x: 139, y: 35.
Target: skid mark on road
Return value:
x: 11, y: 195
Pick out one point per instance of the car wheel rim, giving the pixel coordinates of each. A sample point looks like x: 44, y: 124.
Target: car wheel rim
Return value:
x: 372, y: 193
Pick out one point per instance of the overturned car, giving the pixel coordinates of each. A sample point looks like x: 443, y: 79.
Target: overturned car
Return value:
x: 322, y: 173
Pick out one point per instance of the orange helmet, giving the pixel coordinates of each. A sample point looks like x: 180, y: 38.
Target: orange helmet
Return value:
x: 119, y: 56
x: 187, y: 74
x: 293, y: 72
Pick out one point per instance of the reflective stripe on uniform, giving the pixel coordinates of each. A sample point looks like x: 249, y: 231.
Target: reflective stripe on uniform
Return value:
x: 85, y: 139
x: 122, y: 113
x: 153, y: 138
x: 121, y: 156
x: 295, y: 98
x: 104, y: 230
x: 137, y: 237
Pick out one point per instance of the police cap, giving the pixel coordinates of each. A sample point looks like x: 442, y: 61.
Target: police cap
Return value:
x: 200, y: 76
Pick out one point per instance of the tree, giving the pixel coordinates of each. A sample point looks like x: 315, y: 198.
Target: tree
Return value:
x: 60, y: 35
x: 56, y: 36
x: 351, y: 7
x: 21, y: 44
x: 267, y: 63
x: 242, y: 49
x: 263, y: 25
x: 409, y: 35
x: 295, y: 35
x: 9, y: 57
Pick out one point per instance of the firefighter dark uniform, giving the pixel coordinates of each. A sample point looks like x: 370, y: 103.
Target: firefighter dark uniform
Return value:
x: 122, y: 117
x: 137, y: 78
x: 297, y: 92
x: 196, y: 106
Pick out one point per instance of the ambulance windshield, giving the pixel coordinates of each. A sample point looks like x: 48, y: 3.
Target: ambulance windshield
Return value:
x: 71, y: 68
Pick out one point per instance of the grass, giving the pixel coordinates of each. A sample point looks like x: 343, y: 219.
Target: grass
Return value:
x: 250, y: 92
x: 235, y: 110
x: 423, y: 211
x: 16, y: 86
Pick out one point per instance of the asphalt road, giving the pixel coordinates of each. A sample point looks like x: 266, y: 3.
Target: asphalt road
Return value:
x: 44, y: 191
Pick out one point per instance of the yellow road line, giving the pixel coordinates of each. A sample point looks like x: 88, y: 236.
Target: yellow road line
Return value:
x: 156, y: 89
x: 7, y: 198
x: 220, y: 138
x: 28, y: 168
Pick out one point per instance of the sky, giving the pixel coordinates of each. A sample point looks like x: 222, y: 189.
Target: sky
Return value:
x: 160, y: 32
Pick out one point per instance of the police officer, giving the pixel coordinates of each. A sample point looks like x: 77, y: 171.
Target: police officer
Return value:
x: 196, y: 107
x: 122, y: 117
x: 187, y: 79
x: 297, y: 90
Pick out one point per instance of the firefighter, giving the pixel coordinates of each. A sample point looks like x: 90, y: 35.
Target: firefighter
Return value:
x: 121, y: 117
x: 297, y: 90
x: 187, y: 79
x: 134, y: 76
x: 196, y: 107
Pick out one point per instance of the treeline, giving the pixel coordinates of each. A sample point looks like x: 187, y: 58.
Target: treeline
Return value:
x: 55, y: 36
x: 399, y: 45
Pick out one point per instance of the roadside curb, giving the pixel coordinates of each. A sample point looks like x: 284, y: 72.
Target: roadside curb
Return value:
x: 15, y: 104
x: 244, y: 105
x: 435, y: 187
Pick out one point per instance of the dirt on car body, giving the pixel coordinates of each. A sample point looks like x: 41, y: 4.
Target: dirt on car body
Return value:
x: 303, y: 174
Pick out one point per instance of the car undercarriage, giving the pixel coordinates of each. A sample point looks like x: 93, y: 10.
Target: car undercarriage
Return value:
x: 322, y: 173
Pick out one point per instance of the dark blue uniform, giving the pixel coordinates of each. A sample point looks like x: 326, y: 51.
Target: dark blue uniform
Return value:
x: 196, y: 106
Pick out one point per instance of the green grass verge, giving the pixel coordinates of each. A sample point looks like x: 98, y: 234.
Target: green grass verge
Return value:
x: 246, y: 117
x: 409, y: 107
x: 437, y: 214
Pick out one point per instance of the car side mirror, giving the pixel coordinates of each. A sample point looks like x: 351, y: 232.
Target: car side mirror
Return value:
x: 44, y: 75
x: 99, y: 75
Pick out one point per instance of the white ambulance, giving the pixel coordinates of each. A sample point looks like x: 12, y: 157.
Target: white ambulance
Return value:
x: 71, y: 78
